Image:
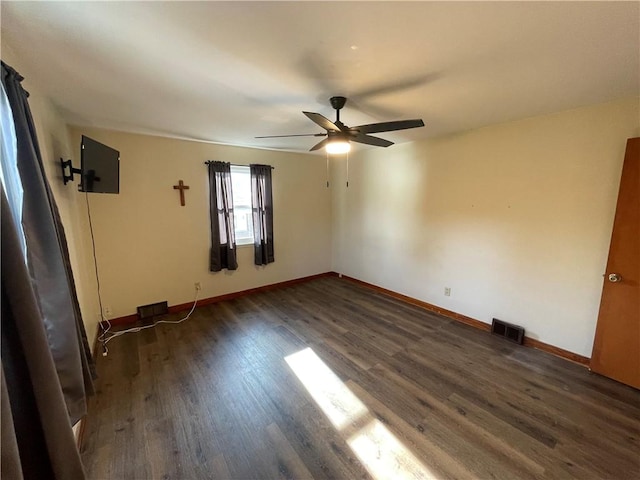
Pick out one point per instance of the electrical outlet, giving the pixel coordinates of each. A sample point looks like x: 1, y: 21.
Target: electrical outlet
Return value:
x: 447, y: 291
x: 198, y: 286
x: 107, y: 312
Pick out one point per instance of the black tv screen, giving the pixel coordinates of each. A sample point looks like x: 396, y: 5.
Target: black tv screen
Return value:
x: 100, y: 167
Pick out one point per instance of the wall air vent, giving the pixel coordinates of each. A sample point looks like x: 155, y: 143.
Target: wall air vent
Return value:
x: 153, y: 309
x: 509, y: 331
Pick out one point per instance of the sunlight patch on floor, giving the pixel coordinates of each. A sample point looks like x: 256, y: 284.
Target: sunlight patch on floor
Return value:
x: 384, y: 456
x: 381, y: 453
x: 334, y: 398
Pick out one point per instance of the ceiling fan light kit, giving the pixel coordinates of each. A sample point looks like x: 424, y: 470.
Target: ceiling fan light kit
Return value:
x: 340, y: 135
x: 338, y: 146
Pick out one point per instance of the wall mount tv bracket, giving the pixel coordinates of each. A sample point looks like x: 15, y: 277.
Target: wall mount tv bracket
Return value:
x: 68, y: 178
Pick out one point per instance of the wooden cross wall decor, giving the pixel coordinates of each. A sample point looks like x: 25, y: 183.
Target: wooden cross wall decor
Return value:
x: 182, y: 187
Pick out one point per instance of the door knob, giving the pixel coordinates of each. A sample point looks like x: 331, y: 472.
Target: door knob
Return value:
x: 615, y: 278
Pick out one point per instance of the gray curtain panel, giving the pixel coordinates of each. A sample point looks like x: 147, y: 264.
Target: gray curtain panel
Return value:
x: 10, y: 463
x: 223, y: 238
x: 46, y: 363
x: 262, y: 209
x: 48, y: 258
x: 37, y: 438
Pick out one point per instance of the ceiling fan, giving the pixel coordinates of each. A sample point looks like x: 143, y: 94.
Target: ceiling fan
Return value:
x: 339, y: 135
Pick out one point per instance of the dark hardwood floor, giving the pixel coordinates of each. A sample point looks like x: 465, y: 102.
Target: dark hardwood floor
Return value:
x: 328, y: 379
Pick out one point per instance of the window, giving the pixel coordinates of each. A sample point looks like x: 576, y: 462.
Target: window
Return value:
x: 9, y: 174
x: 242, y: 216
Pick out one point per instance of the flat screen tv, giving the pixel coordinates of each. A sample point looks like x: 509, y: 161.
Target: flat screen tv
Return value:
x: 100, y: 167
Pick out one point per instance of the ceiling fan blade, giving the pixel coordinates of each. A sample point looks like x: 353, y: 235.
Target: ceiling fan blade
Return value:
x: 319, y: 145
x: 369, y: 140
x: 323, y: 121
x: 389, y: 126
x: 300, y: 135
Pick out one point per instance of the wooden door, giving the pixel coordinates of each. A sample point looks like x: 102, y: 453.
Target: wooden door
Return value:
x: 616, y: 348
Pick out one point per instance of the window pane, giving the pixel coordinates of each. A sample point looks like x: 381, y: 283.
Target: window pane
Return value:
x: 9, y: 174
x: 242, y: 217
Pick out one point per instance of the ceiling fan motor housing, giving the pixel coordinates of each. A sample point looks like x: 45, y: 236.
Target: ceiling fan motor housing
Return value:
x: 344, y: 136
x: 338, y: 102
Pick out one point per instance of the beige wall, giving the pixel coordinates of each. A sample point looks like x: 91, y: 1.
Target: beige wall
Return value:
x: 514, y: 218
x: 150, y: 249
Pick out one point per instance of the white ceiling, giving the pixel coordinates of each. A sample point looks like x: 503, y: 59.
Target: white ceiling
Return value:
x: 228, y: 71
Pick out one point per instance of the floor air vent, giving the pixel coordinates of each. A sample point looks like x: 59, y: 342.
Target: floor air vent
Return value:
x: 152, y: 310
x: 509, y: 331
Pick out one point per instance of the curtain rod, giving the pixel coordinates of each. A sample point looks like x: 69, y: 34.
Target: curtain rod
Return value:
x: 235, y: 164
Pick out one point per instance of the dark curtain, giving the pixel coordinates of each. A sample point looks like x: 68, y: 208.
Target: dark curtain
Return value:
x: 223, y: 239
x: 262, y: 209
x: 48, y: 258
x: 39, y: 300
x: 37, y: 438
